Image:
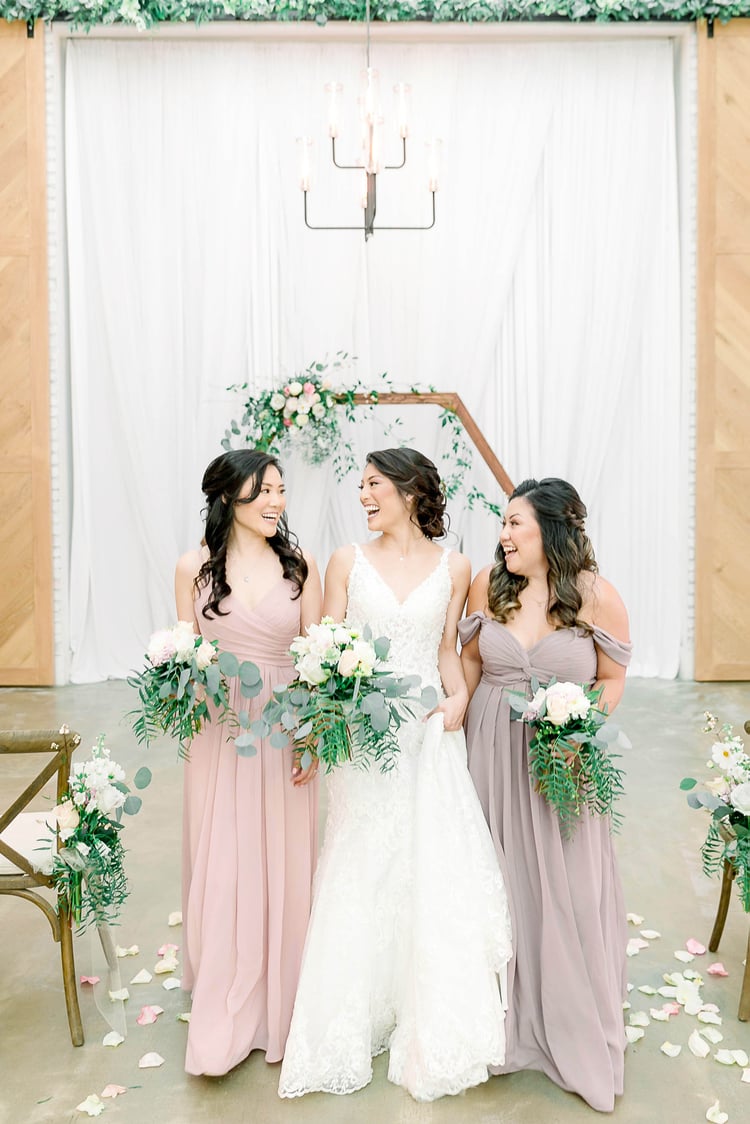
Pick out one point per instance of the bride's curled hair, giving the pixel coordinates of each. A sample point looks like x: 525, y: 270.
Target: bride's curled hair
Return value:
x: 414, y: 475
x: 560, y: 513
x: 222, y: 484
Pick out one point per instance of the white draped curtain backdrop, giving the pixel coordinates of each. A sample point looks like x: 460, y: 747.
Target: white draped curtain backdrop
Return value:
x: 548, y: 295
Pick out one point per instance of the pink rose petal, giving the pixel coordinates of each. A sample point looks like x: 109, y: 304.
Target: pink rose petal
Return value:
x: 694, y: 946
x: 113, y: 1091
x: 90, y: 980
x: 717, y: 969
x: 167, y: 949
x: 148, y: 1015
x: 671, y: 1008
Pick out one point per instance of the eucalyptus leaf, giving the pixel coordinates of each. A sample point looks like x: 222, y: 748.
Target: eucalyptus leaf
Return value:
x: 142, y: 778
x: 380, y: 720
x: 278, y: 739
x: 229, y: 663
x: 304, y: 730
x: 132, y: 805
x: 245, y: 746
x: 306, y: 759
x: 687, y: 783
x: 382, y: 647
x: 693, y: 800
x: 299, y: 696
x: 243, y: 717
x: 429, y: 698
x: 250, y: 690
x: 249, y: 674
x: 213, y: 678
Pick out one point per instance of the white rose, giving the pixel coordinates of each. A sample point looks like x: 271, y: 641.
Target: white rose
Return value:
x: 161, y: 647
x: 295, y: 388
x: 289, y: 407
x: 278, y: 401
x: 301, y: 420
x: 67, y: 818
x: 204, y: 654
x: 348, y: 663
x: 303, y: 406
x: 318, y: 410
x: 310, y: 671
x: 341, y: 636
x: 740, y: 798
x: 557, y: 706
x: 184, y: 641
x: 109, y: 798
x: 365, y: 654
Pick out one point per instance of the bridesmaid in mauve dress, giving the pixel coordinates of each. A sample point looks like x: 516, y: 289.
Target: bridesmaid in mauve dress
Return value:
x: 543, y: 611
x: 250, y: 823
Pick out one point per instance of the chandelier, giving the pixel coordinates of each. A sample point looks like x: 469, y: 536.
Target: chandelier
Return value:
x: 370, y: 164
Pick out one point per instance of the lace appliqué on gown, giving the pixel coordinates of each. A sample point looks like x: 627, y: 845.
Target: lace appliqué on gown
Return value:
x: 410, y: 929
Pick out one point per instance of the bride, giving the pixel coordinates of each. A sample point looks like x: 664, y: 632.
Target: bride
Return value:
x: 409, y: 936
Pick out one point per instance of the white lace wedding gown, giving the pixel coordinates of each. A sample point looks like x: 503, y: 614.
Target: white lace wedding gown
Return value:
x: 410, y: 931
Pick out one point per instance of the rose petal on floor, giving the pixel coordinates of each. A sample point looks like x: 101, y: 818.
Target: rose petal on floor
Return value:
x: 746, y: 1076
x: 667, y: 992
x: 629, y: 988
x: 132, y: 951
x: 740, y: 1058
x: 698, y: 1045
x: 715, y: 1115
x: 171, y: 984
x: 694, y: 946
x: 671, y: 1008
x: 717, y: 969
x: 150, y: 1061
x: 683, y: 956
x: 724, y: 1056
x: 121, y: 993
x: 634, y: 1033
x: 175, y: 918
x: 92, y: 1106
x: 113, y: 1091
x: 168, y: 964
x: 112, y: 1039
x: 709, y: 1017
x: 143, y: 977
x: 647, y: 989
x: 167, y: 949
x: 650, y: 934
x: 149, y: 1014
x: 90, y: 980
x: 660, y: 1015
x: 634, y: 946
x: 638, y: 1018
x: 670, y: 1049
x: 184, y: 1017
x: 710, y: 1007
x: 711, y: 1034
x: 635, y: 919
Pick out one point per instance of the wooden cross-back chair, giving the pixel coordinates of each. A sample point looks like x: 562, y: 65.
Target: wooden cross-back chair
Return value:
x: 24, y: 866
x: 721, y: 915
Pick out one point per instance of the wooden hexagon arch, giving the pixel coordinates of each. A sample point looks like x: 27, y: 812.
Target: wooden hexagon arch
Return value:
x: 449, y: 401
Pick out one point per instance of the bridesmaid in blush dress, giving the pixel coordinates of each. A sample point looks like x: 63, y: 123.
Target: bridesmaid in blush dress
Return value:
x: 541, y: 611
x: 250, y: 823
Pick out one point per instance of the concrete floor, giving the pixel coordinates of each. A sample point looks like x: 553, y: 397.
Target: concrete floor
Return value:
x: 43, y: 1077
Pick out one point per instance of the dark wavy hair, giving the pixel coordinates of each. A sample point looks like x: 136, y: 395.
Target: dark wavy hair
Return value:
x: 222, y: 483
x: 560, y: 513
x: 413, y: 474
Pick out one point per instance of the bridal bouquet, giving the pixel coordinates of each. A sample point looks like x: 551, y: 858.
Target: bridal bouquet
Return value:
x: 344, y: 704
x: 727, y: 798
x: 88, y: 870
x: 569, y: 759
x: 184, y: 673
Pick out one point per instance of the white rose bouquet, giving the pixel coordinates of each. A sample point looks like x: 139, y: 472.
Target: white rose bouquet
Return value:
x: 344, y: 704
x: 569, y: 756
x: 88, y: 868
x: 184, y: 674
x: 727, y: 798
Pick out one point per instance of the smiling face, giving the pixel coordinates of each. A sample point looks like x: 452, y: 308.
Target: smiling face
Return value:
x: 521, y: 539
x: 384, y: 505
x: 261, y: 515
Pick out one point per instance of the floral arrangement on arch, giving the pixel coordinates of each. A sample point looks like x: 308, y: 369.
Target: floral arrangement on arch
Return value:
x: 88, y: 869
x: 726, y: 796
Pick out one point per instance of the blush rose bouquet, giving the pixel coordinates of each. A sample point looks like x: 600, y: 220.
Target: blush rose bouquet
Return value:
x: 184, y: 685
x: 344, y: 704
x: 726, y: 797
x: 570, y: 757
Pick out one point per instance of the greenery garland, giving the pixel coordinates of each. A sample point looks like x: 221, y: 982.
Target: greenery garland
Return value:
x: 145, y: 13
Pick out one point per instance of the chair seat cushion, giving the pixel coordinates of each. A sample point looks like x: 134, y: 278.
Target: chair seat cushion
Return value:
x: 28, y: 834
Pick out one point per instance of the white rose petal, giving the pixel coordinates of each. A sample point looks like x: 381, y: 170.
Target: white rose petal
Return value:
x: 698, y: 1045
x: 121, y: 993
x: 635, y: 919
x: 715, y: 1115
x: 175, y: 918
x: 626, y: 1005
x: 709, y: 1017
x: 143, y: 977
x: 112, y: 1039
x: 725, y: 1057
x: 746, y: 1076
x: 670, y: 1049
x: 650, y: 934
x: 171, y: 984
x: 638, y: 1018
x: 150, y: 1061
x: 740, y: 1058
x: 712, y: 1034
x: 634, y: 1033
x: 646, y: 989
x: 167, y: 964
x: 659, y: 1015
x: 92, y: 1106
x: 683, y: 955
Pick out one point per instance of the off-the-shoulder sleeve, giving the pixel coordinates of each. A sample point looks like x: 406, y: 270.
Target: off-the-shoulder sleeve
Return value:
x: 468, y: 629
x: 618, y: 650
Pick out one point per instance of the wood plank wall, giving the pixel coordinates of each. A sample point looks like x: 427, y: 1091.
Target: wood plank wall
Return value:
x: 722, y: 591
x: 26, y: 632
